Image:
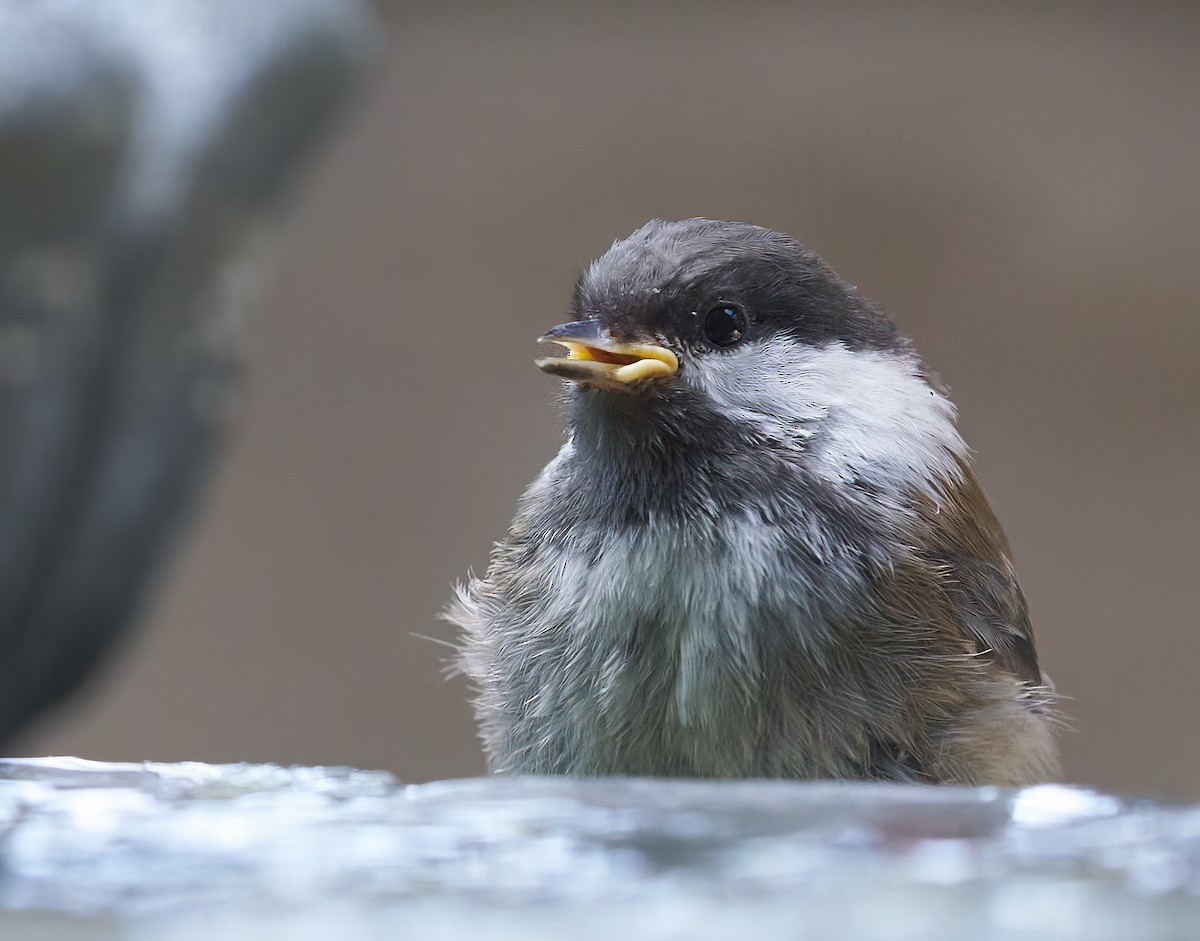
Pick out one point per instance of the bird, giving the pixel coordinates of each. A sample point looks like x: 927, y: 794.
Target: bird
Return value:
x: 762, y: 551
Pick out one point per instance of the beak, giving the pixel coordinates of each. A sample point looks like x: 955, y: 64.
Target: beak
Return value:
x: 599, y: 360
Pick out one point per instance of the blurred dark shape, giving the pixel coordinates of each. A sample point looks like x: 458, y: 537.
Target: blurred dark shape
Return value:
x: 142, y: 149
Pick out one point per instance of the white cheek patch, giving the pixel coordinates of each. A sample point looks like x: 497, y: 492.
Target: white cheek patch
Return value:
x: 861, y: 408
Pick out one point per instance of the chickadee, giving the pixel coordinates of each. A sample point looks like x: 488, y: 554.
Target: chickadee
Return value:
x: 762, y: 551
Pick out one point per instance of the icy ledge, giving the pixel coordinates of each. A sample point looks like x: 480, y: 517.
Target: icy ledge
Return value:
x: 192, y: 851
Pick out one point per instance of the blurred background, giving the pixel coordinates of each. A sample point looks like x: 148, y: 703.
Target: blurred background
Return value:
x: 1017, y: 185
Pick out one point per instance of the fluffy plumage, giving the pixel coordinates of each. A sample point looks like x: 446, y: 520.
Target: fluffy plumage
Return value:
x: 777, y: 562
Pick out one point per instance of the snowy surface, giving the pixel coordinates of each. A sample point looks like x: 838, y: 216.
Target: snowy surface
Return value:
x: 195, y: 851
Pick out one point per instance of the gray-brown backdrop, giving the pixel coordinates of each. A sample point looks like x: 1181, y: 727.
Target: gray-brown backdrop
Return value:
x: 1020, y: 188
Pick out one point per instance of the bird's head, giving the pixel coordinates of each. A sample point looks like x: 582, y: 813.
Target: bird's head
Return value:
x: 719, y: 331
x: 676, y: 297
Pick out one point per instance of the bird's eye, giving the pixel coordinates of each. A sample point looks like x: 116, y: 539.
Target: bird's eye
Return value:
x: 725, y: 325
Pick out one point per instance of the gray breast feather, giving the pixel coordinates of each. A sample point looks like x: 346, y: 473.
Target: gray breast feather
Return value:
x: 704, y: 650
